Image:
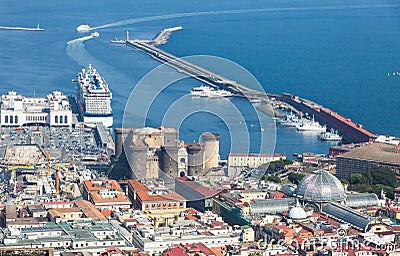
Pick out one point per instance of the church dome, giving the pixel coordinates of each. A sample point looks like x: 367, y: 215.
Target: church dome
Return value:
x: 320, y: 186
x: 297, y: 213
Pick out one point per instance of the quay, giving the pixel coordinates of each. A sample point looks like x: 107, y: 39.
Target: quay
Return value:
x: 203, y: 75
x: 351, y: 131
x: 163, y: 36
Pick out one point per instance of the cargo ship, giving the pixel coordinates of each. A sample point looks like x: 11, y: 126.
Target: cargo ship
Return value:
x: 94, y: 98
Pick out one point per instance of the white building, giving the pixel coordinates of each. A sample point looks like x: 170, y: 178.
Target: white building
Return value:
x: 52, y: 110
x: 238, y: 161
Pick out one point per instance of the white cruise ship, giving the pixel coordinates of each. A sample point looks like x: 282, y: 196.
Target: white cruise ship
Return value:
x: 208, y: 92
x: 94, y: 98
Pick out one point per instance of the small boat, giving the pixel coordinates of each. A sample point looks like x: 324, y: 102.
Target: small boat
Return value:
x: 332, y: 135
x: 83, y: 28
x: 95, y: 34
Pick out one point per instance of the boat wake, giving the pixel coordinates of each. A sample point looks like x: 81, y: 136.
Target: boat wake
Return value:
x: 240, y: 11
x: 80, y: 40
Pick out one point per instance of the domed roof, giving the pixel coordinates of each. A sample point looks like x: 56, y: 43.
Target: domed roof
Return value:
x: 321, y: 186
x: 297, y: 212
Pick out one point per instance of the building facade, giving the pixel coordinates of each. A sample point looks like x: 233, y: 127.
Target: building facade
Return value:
x: 238, y: 161
x: 53, y: 110
x: 146, y: 199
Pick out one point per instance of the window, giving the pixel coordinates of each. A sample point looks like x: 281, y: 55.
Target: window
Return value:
x: 61, y: 119
x: 11, y: 119
x: 65, y: 119
x: 6, y: 119
x: 56, y: 119
x: 16, y: 119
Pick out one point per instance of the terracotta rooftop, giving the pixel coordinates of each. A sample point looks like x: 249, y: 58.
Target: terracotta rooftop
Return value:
x: 90, y: 210
x: 96, y: 185
x: 206, y: 191
x: 98, y: 199
x: 137, y: 185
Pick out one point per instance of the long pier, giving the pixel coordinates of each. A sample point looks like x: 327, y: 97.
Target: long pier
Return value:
x: 22, y: 28
x: 203, y: 75
x: 351, y: 131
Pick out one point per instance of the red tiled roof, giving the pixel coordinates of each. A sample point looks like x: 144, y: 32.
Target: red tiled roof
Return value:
x: 175, y: 252
x: 106, y: 213
x: 96, y: 185
x: 137, y: 185
x: 191, y: 217
x: 172, y: 196
x: 121, y: 198
x: 206, y: 191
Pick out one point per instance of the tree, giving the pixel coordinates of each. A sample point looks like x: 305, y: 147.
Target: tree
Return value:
x: 357, y: 178
x: 295, y: 178
x: 274, y: 179
x: 345, y: 182
x: 382, y: 175
x: 276, y: 165
x: 388, y: 190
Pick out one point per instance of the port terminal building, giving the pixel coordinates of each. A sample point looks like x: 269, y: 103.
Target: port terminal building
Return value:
x: 53, y: 110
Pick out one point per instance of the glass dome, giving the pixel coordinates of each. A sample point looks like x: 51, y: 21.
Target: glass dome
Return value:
x: 320, y: 186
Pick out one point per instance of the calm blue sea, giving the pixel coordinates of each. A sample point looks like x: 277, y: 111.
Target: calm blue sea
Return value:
x: 337, y: 53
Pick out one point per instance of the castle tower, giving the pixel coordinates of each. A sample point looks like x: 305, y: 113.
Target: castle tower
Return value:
x: 211, y: 150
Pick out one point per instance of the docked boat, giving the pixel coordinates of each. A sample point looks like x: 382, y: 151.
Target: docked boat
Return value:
x: 311, y: 126
x: 94, y: 98
x: 332, y: 135
x: 95, y: 34
x: 292, y: 120
x: 208, y: 92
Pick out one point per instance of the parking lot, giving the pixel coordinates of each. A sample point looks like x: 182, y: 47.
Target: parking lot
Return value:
x: 59, y: 144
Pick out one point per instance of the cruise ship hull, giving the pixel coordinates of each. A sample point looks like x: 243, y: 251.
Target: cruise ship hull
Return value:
x: 90, y: 121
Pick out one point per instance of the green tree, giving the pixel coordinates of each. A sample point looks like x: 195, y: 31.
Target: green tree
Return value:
x: 345, y: 182
x: 276, y: 165
x: 357, y: 178
x: 388, y: 190
x: 274, y: 179
x: 363, y: 188
x: 295, y: 178
x: 382, y: 175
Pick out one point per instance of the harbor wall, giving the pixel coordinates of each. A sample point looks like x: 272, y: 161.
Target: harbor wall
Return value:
x: 351, y: 131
